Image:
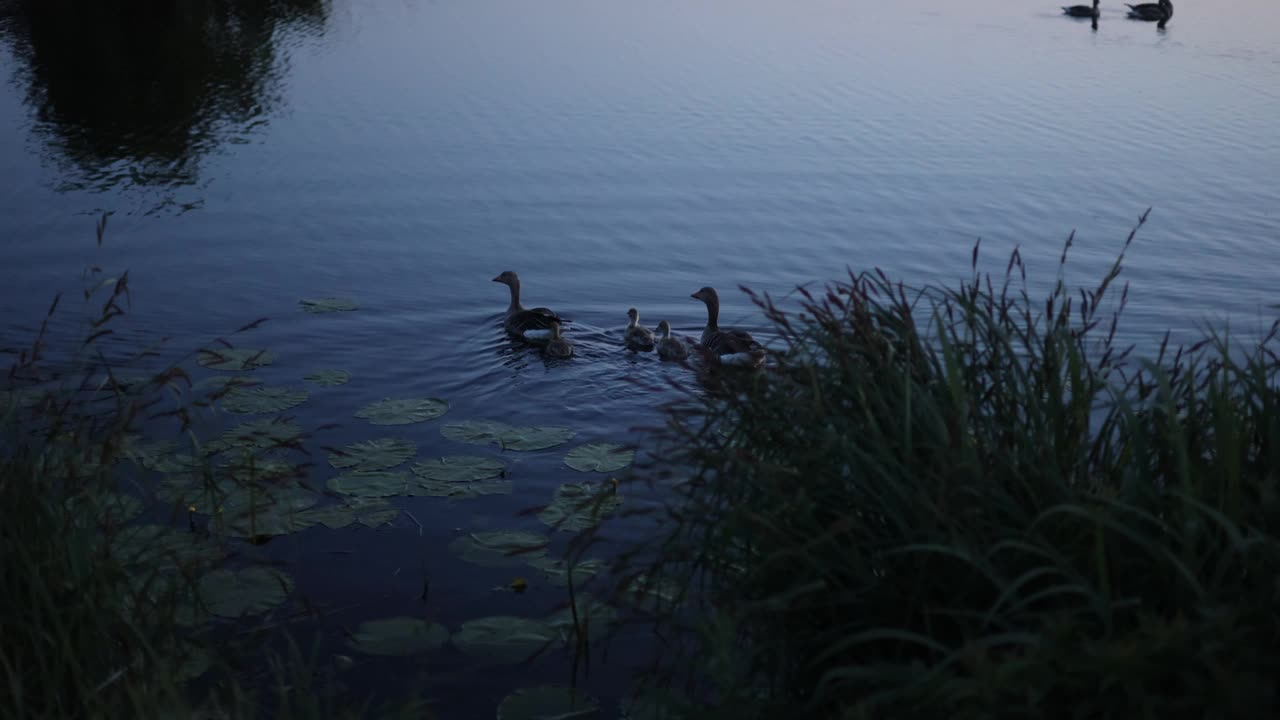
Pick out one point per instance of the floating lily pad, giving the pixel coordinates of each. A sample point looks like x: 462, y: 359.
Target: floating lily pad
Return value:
x: 328, y: 304
x: 236, y: 359
x: 163, y: 457
x: 484, y: 432
x: 504, y: 639
x: 251, y: 591
x: 253, y: 512
x: 159, y: 548
x: 599, y: 457
x: 370, y: 512
x: 263, y: 434
x: 594, y: 617
x: 263, y: 399
x: 252, y: 469
x: 462, y: 491
x: 459, y: 469
x: 578, y: 506
x: 380, y: 454
x: 403, y: 412
x: 548, y: 702
x: 328, y: 378
x: 104, y: 508
x: 398, y: 636
x: 371, y: 483
x: 557, y: 571
x: 500, y: 548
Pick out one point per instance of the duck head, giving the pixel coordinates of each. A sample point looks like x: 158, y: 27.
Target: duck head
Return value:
x: 508, y: 277
x: 706, y: 295
x: 634, y: 316
x: 664, y: 328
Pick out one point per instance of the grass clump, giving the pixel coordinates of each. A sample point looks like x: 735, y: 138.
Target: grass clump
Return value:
x: 969, y: 503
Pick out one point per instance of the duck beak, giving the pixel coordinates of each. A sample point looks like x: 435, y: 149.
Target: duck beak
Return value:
x: 695, y: 296
x: 497, y: 279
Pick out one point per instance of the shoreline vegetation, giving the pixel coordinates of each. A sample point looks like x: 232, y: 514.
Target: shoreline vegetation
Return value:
x: 941, y: 502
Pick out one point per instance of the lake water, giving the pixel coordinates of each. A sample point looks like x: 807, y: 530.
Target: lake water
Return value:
x: 614, y: 154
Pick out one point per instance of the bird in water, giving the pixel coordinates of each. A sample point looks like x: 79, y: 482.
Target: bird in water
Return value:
x: 557, y: 347
x: 1160, y: 12
x: 638, y: 337
x: 669, y: 348
x: 529, y: 324
x: 1082, y: 11
x: 726, y: 345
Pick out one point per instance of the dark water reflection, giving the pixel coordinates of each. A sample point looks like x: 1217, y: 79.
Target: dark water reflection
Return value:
x: 131, y: 97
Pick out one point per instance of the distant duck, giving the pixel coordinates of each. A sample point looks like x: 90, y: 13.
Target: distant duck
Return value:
x: 1082, y: 11
x: 1152, y: 12
x: 728, y: 346
x: 557, y: 346
x: 669, y: 348
x: 532, y: 324
x: 638, y: 338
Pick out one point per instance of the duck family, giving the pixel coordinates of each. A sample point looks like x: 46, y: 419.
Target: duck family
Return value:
x: 1158, y: 12
x: 722, y: 346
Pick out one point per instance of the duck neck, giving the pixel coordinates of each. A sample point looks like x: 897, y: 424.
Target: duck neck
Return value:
x: 633, y: 321
x: 514, y: 287
x: 713, y: 313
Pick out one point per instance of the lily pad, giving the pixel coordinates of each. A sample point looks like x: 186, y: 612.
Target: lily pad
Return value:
x: 578, y: 506
x: 163, y: 457
x: 484, y: 432
x: 261, y: 434
x: 251, y: 591
x: 328, y: 304
x: 263, y: 399
x: 371, y: 483
x: 380, y: 454
x: 252, y: 469
x: 594, y: 616
x: 459, y: 469
x: 500, y: 548
x: 599, y: 457
x: 403, y: 412
x: 253, y: 512
x: 548, y: 702
x: 504, y: 639
x: 398, y: 636
x: 462, y: 491
x: 370, y: 512
x: 159, y: 548
x: 328, y: 378
x: 235, y: 359
x: 475, y: 432
x: 557, y: 571
x: 104, y: 508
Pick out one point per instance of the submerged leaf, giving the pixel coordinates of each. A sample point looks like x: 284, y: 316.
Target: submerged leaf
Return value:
x: 159, y: 548
x: 504, y: 638
x: 328, y: 304
x: 599, y: 457
x: 237, y: 359
x: 398, y: 636
x: 578, y: 506
x: 263, y: 399
x: 264, y: 434
x: 380, y: 454
x: 557, y: 571
x: 370, y: 512
x: 594, y: 617
x: 371, y: 483
x: 403, y: 412
x: 499, y: 548
x: 548, y: 702
x: 484, y: 432
x: 328, y: 378
x: 251, y: 591
x: 459, y: 468
x: 475, y: 432
x: 462, y: 491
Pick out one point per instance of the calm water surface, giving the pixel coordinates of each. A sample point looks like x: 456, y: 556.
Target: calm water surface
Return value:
x: 615, y: 154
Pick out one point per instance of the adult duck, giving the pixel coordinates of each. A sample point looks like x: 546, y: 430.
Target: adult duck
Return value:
x: 1082, y: 11
x: 669, y: 348
x: 638, y: 338
x: 1151, y: 12
x: 557, y: 347
x: 726, y: 345
x: 530, y: 324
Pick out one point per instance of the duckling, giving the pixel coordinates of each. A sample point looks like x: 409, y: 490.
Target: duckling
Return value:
x: 1082, y: 11
x: 638, y: 337
x: 557, y: 346
x: 1152, y: 12
x: 531, y: 324
x: 728, y: 346
x: 669, y: 348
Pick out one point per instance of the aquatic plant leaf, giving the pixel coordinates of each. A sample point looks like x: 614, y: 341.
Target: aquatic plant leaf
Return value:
x: 402, y: 412
x: 216, y: 383
x: 380, y: 454
x: 594, y: 615
x: 203, y: 495
x: 557, y: 571
x: 398, y: 636
x: 499, y: 548
x: 103, y: 508
x: 263, y: 434
x: 328, y: 378
x: 504, y: 638
x: 459, y: 468
x: 263, y: 399
x: 508, y: 437
x: 159, y: 548
x: 235, y: 359
x: 370, y: 512
x: 371, y: 483
x: 462, y: 491
x: 475, y: 432
x: 164, y: 457
x: 548, y: 702
x: 599, y: 457
x: 578, y: 506
x: 249, y: 591
x: 328, y: 304
x: 644, y: 589
x: 252, y: 512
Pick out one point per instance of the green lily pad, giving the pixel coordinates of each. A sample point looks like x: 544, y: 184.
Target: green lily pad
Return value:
x: 370, y: 512
x: 253, y: 512
x: 475, y: 432
x: 380, y: 454
x: 263, y: 399
x: 548, y: 702
x: 252, y: 469
x: 462, y: 491
x: 504, y: 639
x: 459, y: 469
x: 328, y: 304
x: 578, y: 506
x: 251, y: 591
x: 264, y: 434
x: 593, y: 615
x: 163, y: 457
x: 328, y: 378
x: 500, y: 548
x: 159, y: 548
x: 398, y: 636
x: 484, y: 432
x: 599, y: 457
x: 371, y: 483
x: 236, y: 359
x: 403, y: 412
x: 557, y: 571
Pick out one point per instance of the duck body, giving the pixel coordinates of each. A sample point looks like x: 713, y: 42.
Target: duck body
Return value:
x: 1151, y: 12
x: 1082, y: 11
x: 726, y: 345
x: 669, y: 348
x: 528, y: 324
x: 557, y: 347
x: 638, y: 338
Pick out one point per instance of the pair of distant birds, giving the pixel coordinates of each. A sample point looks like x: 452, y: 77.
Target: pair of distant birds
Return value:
x: 724, y: 346
x: 1160, y: 12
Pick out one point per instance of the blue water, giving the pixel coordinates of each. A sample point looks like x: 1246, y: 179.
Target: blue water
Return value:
x: 615, y: 155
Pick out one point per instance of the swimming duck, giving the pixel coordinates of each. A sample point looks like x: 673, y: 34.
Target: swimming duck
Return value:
x: 532, y: 324
x: 1082, y: 10
x: 728, y: 346
x: 638, y: 338
x: 557, y: 346
x: 1161, y: 11
x: 669, y: 348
